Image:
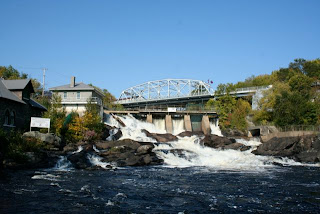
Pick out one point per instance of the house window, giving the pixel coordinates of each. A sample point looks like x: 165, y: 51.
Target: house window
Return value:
x: 6, y: 117
x: 65, y: 95
x: 12, y: 118
x: 78, y: 95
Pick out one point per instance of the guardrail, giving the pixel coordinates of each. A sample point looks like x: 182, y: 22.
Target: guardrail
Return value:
x: 142, y: 99
x: 299, y: 128
x: 167, y: 109
x: 82, y: 100
x: 253, y: 88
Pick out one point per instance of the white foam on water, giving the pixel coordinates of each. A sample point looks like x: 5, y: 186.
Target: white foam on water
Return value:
x: 80, y: 148
x: 48, y: 177
x: 159, y: 124
x: 215, y: 129
x: 290, y: 162
x: 187, y: 152
x: 95, y: 149
x: 63, y: 164
x: 253, y: 142
x: 133, y: 128
x: 109, y: 120
x: 177, y: 125
x: 95, y: 160
x: 110, y: 203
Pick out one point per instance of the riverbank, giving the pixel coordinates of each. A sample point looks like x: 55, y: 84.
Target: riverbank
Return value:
x: 130, y: 142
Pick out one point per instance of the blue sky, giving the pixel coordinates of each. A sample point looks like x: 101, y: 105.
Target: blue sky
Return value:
x: 118, y: 44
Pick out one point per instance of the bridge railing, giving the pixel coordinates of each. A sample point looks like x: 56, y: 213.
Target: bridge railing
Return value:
x: 141, y: 99
x: 299, y: 128
x: 253, y: 88
x: 165, y: 108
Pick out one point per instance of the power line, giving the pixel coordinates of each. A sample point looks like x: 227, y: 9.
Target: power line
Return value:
x: 22, y: 67
x: 43, y: 82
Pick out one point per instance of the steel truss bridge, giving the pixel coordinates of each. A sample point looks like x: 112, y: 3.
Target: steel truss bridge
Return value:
x: 165, y: 92
x: 174, y: 92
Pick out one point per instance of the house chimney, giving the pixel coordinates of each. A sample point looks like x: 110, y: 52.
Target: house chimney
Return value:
x: 73, y: 81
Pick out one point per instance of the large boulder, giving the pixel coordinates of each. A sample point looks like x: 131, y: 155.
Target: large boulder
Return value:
x: 50, y: 139
x: 220, y: 142
x: 161, y: 138
x: 80, y: 160
x: 233, y: 133
x: 303, y: 148
x: 103, y: 145
x: 215, y: 141
x: 237, y: 146
x: 189, y: 134
x: 127, y: 153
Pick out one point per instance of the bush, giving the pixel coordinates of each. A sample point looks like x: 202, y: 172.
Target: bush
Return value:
x: 14, y: 146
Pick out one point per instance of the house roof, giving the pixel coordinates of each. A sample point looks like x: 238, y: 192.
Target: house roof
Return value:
x: 77, y: 87
x: 19, y: 84
x: 6, y: 94
x: 35, y: 104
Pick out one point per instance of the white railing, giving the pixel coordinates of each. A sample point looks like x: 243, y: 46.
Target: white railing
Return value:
x: 252, y: 88
x: 140, y: 99
x: 82, y: 100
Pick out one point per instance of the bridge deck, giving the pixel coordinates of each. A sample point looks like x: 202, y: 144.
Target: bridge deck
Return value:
x: 156, y: 111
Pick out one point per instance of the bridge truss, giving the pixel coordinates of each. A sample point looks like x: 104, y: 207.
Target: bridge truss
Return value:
x: 165, y: 89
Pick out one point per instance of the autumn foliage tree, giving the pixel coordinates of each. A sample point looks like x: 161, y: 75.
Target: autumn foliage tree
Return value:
x: 88, y: 127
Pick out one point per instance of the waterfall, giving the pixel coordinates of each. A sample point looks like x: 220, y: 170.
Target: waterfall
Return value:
x: 178, y: 125
x: 95, y: 160
x: 215, y: 129
x: 188, y: 152
x: 63, y: 164
x: 160, y: 125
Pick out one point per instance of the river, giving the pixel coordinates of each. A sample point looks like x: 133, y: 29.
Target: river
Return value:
x: 194, y: 180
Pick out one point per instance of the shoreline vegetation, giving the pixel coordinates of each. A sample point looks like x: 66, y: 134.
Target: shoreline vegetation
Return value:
x: 293, y: 100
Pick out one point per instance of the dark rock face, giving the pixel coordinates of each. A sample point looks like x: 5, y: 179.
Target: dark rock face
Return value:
x: 233, y: 133
x: 161, y: 138
x: 40, y: 159
x: 189, y: 134
x: 70, y: 148
x: 128, y: 153
x: 105, y: 132
x: 237, y: 146
x: 302, y: 149
x: 79, y: 160
x: 111, y: 132
x: 49, y: 139
x: 217, y: 142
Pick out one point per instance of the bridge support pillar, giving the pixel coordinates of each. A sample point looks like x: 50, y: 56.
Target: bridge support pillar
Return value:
x: 149, y: 118
x: 168, y: 121
x: 187, y: 123
x: 205, y: 125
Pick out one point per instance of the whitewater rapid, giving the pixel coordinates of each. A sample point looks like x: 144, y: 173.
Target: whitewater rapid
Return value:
x: 188, y: 152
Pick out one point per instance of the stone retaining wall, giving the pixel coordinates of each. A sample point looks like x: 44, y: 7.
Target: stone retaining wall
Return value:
x: 286, y: 134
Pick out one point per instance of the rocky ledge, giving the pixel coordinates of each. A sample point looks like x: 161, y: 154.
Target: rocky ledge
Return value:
x: 303, y: 149
x: 120, y: 153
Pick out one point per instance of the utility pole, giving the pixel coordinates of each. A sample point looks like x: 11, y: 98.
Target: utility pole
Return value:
x: 43, y: 81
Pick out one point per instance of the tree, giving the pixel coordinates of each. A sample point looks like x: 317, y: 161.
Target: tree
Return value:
x: 239, y: 114
x: 56, y: 114
x: 292, y: 108
x: 224, y: 104
x: 301, y: 84
x: 298, y: 65
x: 109, y: 99
x: 312, y: 69
x: 10, y: 73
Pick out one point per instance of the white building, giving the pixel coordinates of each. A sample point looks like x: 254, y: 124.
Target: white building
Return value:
x: 75, y: 96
